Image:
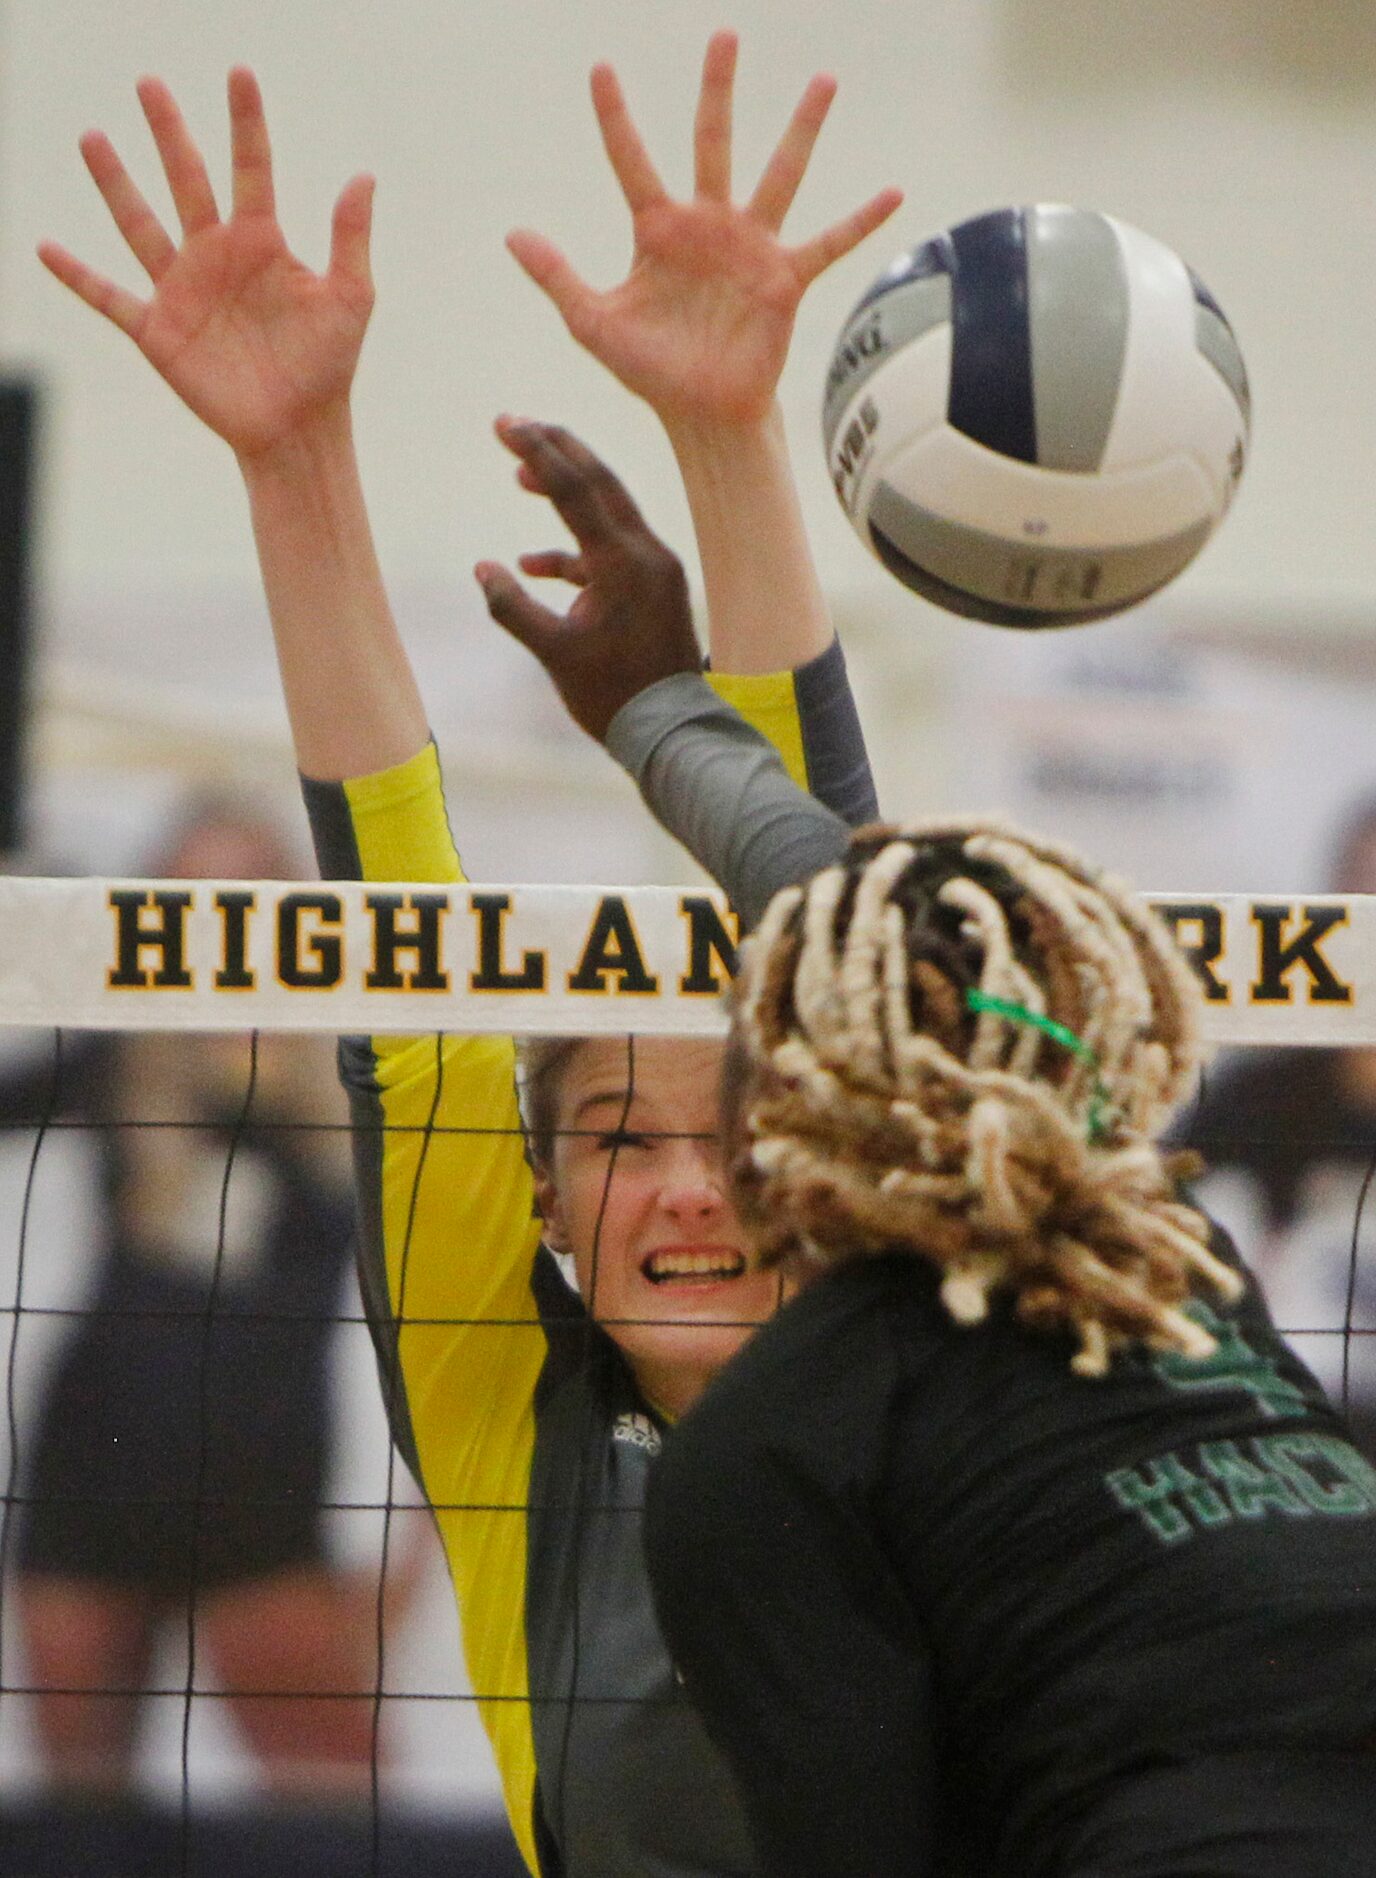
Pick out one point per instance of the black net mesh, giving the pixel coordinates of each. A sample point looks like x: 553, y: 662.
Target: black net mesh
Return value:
x: 178, y: 1531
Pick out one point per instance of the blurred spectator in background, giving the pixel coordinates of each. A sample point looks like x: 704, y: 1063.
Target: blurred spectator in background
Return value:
x: 180, y: 1456
x: 1289, y: 1136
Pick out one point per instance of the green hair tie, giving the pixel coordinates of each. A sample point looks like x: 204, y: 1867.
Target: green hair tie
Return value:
x: 977, y: 1000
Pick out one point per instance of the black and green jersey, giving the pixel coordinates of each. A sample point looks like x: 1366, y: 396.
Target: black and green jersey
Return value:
x: 519, y: 1416
x: 936, y: 1594
x: 911, y: 1563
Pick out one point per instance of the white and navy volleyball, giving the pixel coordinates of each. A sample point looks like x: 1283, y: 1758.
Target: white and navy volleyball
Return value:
x: 1038, y: 417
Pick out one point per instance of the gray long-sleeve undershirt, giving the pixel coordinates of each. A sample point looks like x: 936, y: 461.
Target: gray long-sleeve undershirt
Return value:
x: 721, y: 789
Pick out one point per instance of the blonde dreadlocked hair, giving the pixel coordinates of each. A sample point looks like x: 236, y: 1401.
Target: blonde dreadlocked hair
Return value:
x: 962, y: 1042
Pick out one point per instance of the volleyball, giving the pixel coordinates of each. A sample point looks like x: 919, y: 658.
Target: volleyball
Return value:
x: 1038, y: 417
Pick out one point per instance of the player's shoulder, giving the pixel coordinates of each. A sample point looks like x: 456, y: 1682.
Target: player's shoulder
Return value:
x: 855, y: 1292
x: 841, y: 1333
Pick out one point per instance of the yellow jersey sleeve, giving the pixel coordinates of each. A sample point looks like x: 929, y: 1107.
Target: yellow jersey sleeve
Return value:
x: 448, y: 1242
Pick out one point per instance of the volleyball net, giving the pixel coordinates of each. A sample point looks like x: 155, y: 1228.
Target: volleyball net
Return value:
x: 111, y: 987
x: 377, y: 958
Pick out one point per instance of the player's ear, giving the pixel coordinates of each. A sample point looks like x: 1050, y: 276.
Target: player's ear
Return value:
x: 550, y: 1210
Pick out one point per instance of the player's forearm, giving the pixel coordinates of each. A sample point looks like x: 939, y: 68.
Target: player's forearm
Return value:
x: 720, y: 788
x: 765, y: 606
x: 351, y: 695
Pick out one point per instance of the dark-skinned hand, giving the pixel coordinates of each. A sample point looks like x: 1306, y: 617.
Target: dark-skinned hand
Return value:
x: 631, y: 623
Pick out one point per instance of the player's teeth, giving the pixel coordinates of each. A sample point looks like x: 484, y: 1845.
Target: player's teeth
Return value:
x: 693, y: 1265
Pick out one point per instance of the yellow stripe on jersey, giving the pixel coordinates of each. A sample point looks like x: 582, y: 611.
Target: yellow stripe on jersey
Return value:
x: 399, y: 822
x: 459, y: 1241
x: 768, y: 700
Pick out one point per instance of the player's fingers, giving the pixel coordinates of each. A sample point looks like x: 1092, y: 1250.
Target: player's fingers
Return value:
x: 536, y: 448
x: 148, y: 240
x: 815, y: 256
x: 182, y: 162
x: 252, y: 152
x: 712, y: 127
x: 777, y: 187
x: 547, y: 471
x: 630, y: 160
x: 534, y: 626
x: 351, y: 231
x: 589, y: 498
x: 612, y: 493
x: 550, y: 271
x: 122, y: 309
x: 554, y: 564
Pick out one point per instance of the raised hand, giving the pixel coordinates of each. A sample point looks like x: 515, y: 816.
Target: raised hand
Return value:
x: 631, y: 623
x: 701, y: 325
x: 253, y: 342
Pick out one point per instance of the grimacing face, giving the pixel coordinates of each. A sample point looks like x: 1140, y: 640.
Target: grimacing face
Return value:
x: 637, y: 1195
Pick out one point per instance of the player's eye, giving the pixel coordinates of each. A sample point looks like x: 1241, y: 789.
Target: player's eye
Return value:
x: 616, y: 1139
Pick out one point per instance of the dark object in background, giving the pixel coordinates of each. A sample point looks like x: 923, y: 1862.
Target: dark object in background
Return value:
x: 18, y: 422
x: 134, y: 1839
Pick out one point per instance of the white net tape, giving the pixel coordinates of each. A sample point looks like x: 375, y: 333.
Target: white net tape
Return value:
x: 345, y: 957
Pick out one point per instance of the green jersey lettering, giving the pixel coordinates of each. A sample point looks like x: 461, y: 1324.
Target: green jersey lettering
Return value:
x: 1151, y: 1491
x: 1233, y: 1365
x: 1252, y: 1491
x: 1349, y: 1494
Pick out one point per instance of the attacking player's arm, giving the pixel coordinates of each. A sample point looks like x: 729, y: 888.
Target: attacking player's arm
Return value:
x: 625, y: 661
x: 700, y: 329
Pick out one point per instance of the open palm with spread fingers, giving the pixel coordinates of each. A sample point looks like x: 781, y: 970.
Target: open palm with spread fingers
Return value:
x: 701, y: 325
x: 253, y: 342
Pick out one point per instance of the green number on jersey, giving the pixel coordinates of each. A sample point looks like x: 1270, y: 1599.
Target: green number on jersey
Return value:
x: 1233, y: 1365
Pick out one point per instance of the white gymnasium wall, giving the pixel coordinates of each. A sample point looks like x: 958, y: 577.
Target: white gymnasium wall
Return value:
x: 1241, y: 132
